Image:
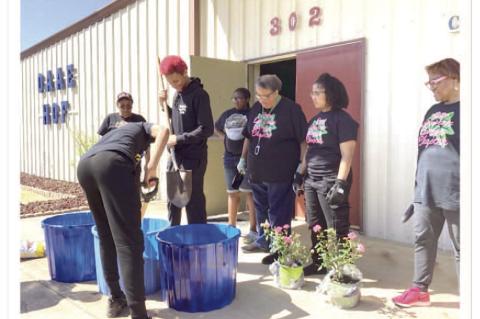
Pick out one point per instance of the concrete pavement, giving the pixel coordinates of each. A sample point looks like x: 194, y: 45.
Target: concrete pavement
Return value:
x: 387, y: 269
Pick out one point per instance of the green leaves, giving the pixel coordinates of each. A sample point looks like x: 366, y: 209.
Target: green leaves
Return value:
x: 291, y: 252
x: 337, y: 252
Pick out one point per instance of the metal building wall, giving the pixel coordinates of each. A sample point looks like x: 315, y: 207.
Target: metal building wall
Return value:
x: 402, y: 37
x: 118, y: 53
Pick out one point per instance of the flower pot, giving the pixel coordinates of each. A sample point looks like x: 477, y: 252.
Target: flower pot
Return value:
x: 342, y: 295
x: 290, y: 277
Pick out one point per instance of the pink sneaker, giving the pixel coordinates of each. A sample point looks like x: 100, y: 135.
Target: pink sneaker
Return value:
x: 412, y: 297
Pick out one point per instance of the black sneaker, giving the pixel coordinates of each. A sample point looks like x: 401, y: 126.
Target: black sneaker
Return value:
x: 312, y: 269
x: 117, y: 307
x: 269, y: 259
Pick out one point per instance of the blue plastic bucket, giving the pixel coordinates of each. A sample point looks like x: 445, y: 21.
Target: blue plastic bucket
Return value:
x: 69, y: 245
x: 152, y: 265
x: 199, y: 265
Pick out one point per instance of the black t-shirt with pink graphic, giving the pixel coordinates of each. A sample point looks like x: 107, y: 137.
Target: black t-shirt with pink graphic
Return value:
x: 275, y: 137
x: 437, y: 181
x: 326, y: 131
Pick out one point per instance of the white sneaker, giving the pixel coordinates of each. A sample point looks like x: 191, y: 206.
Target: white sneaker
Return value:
x: 250, y: 237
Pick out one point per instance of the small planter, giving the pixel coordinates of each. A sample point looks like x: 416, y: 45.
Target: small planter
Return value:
x: 290, y: 277
x: 287, y: 277
x: 342, y: 295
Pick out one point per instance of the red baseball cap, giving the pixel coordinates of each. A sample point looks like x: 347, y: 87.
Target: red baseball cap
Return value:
x: 124, y: 95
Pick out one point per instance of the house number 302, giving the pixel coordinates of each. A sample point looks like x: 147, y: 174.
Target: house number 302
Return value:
x: 315, y: 19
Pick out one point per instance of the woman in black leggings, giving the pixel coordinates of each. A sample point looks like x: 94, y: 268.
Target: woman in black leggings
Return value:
x: 106, y: 173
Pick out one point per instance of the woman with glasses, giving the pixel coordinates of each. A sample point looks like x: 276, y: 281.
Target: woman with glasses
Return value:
x: 331, y: 140
x: 273, y: 148
x: 230, y: 126
x: 437, y: 181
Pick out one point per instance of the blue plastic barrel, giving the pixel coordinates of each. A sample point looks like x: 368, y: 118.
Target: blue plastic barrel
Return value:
x: 200, y: 264
x: 152, y: 265
x: 69, y: 245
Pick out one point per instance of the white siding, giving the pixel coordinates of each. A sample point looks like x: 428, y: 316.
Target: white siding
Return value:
x: 118, y: 53
x: 402, y: 36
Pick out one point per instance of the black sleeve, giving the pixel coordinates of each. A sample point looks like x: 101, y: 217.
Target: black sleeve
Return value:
x: 251, y: 116
x: 103, y: 129
x: 140, y: 118
x: 300, y: 125
x: 203, y: 112
x: 347, y: 128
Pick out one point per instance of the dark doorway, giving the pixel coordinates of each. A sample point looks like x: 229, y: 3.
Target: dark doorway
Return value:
x: 286, y: 71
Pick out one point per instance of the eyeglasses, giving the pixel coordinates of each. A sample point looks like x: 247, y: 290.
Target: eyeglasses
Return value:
x: 264, y: 97
x: 434, y: 82
x: 317, y: 93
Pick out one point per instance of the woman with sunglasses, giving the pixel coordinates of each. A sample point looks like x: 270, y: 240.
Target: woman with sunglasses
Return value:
x: 437, y: 181
x: 230, y: 126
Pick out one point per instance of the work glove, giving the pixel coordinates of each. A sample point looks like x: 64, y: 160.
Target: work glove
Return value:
x: 337, y: 195
x: 242, y: 166
x: 408, y: 213
x: 297, y: 185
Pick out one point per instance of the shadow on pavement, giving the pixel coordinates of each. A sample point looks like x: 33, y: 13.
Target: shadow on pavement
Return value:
x: 36, y: 295
x: 243, y: 306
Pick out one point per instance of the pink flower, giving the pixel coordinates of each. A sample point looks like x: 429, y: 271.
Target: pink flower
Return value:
x: 361, y: 248
x: 352, y: 235
x: 317, y: 228
x: 286, y: 226
x: 278, y: 229
x: 287, y: 240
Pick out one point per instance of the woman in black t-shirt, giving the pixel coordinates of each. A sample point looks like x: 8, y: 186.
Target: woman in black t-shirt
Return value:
x: 331, y: 140
x: 230, y: 126
x: 273, y: 148
x: 124, y: 116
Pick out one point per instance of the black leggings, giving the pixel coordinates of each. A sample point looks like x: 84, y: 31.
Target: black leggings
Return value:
x: 109, y: 181
x: 319, y: 212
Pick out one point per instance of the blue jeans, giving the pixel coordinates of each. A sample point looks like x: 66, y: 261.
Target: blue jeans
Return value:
x: 230, y: 169
x: 274, y: 202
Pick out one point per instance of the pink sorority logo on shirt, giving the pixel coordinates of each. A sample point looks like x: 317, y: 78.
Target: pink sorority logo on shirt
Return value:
x: 264, y: 125
x: 435, y: 129
x: 316, y: 130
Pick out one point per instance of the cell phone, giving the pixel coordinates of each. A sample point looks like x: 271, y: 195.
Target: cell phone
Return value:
x: 237, y: 180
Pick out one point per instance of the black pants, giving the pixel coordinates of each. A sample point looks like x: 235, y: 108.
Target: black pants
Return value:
x: 111, y: 186
x: 196, y: 208
x: 319, y: 212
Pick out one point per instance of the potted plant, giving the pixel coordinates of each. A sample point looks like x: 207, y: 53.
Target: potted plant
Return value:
x: 338, y: 256
x: 292, y: 255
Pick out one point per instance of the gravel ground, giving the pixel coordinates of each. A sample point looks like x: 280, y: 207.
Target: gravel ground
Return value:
x: 55, y: 206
